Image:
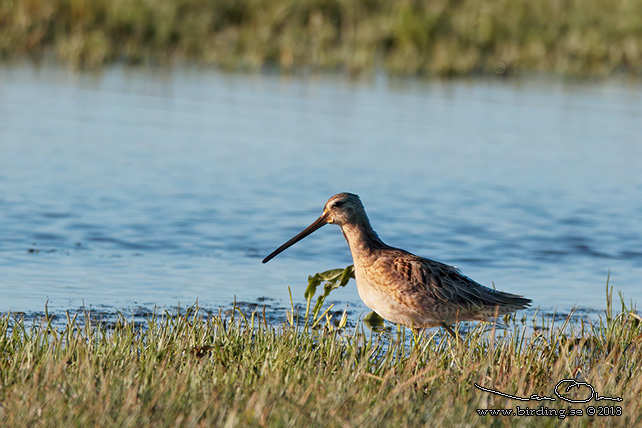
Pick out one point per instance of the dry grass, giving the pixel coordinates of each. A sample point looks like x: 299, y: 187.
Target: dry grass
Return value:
x: 194, y: 370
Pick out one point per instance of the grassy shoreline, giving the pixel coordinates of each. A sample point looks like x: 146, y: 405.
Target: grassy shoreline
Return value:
x: 196, y: 370
x: 436, y: 38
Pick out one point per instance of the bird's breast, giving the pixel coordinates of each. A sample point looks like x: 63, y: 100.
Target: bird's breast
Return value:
x: 382, y: 299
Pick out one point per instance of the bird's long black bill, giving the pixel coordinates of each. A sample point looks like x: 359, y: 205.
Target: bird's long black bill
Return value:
x: 308, y: 230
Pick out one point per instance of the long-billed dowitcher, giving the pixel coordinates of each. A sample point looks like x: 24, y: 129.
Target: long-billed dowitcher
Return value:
x: 404, y: 288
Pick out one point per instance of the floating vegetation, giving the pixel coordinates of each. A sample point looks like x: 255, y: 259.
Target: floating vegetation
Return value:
x: 431, y: 38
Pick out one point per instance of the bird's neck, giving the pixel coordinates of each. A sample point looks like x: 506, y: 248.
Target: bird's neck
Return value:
x: 362, y: 239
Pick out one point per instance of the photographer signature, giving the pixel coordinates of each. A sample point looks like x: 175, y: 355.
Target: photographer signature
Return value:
x: 572, y: 383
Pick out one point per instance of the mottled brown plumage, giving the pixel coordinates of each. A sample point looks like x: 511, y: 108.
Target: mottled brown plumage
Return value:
x: 404, y: 288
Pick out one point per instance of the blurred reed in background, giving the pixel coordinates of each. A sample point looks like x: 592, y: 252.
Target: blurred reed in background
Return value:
x: 436, y: 37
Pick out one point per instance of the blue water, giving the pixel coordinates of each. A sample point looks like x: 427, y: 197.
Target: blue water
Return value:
x: 138, y: 188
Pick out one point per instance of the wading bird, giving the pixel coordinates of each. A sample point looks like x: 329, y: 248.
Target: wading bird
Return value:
x: 404, y: 288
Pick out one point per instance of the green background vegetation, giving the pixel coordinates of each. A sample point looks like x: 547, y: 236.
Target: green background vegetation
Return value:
x: 435, y: 37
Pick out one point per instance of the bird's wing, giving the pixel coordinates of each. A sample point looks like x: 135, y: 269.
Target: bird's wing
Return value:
x: 446, y: 283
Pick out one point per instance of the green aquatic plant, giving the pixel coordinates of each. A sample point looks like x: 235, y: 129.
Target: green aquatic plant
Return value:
x: 331, y: 280
x: 373, y: 320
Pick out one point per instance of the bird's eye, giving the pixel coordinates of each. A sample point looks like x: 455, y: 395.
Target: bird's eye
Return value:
x: 337, y: 204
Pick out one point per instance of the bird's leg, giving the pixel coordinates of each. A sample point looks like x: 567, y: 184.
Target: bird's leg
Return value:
x: 449, y: 330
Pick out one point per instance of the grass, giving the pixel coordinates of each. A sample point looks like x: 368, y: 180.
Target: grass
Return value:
x: 407, y: 37
x: 195, y: 369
